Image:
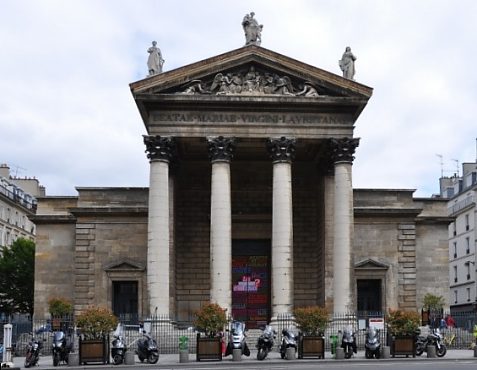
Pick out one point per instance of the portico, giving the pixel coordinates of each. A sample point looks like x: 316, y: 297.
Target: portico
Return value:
x: 265, y: 162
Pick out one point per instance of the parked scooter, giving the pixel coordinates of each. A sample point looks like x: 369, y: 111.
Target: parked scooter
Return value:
x: 372, y: 344
x: 348, y: 342
x: 288, y: 341
x: 33, y: 352
x: 265, y: 342
x: 60, y: 348
x: 237, y: 339
x: 118, y: 346
x: 434, y: 338
x: 147, y: 349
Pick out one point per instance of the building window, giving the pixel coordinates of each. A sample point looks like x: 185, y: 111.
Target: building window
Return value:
x: 467, y: 245
x: 455, y: 296
x: 455, y: 249
x: 454, y: 227
x: 467, y: 222
x: 468, y: 294
x: 468, y: 270
x: 455, y: 274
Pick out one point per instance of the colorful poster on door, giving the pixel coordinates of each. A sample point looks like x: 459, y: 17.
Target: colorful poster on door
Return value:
x: 250, y: 290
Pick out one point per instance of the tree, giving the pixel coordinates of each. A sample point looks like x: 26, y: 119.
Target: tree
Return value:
x: 433, y: 302
x: 17, y: 269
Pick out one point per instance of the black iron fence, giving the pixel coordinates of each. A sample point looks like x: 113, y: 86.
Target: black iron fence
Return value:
x: 167, y: 333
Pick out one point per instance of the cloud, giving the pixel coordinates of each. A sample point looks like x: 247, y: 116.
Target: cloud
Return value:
x: 67, y: 115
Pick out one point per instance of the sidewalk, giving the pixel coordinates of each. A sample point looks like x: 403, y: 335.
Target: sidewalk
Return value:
x: 172, y: 360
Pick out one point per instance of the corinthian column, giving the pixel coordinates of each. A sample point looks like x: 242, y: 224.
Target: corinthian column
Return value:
x: 220, y: 153
x: 282, y: 152
x: 342, y: 155
x: 159, y: 151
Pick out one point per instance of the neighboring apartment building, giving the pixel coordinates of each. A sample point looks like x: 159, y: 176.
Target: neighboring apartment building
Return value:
x: 17, y: 203
x: 462, y: 194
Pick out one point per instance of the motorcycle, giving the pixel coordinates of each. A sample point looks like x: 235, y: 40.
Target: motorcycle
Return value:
x: 33, y: 352
x: 60, y: 348
x: 348, y: 342
x: 433, y: 339
x: 147, y: 349
x: 237, y: 339
x: 265, y: 342
x: 288, y: 341
x: 372, y: 344
x: 118, y: 348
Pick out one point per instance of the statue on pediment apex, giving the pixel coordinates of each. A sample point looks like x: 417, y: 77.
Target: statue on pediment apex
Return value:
x: 253, y: 31
x: 347, y: 64
x: 154, y: 61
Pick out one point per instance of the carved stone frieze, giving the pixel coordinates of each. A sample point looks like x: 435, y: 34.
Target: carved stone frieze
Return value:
x: 160, y: 147
x: 251, y: 82
x: 221, y: 148
x: 342, y: 150
x: 282, y: 149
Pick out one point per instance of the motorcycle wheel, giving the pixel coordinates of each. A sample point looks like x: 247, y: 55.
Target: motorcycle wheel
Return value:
x: 262, y: 354
x: 441, y: 352
x: 419, y: 350
x: 349, y: 353
x: 56, y: 359
x: 117, y: 359
x: 28, y: 360
x: 368, y: 354
x: 153, y: 358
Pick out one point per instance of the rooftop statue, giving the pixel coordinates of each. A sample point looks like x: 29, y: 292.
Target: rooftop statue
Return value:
x: 347, y: 64
x: 253, y: 31
x: 155, y: 61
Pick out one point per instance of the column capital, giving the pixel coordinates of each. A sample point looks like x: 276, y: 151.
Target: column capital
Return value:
x: 342, y: 150
x: 281, y: 149
x: 221, y: 148
x: 160, y: 147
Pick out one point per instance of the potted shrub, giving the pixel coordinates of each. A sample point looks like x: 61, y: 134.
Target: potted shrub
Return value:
x: 210, y: 320
x: 433, y: 306
x: 60, y: 310
x: 95, y: 324
x: 403, y: 327
x: 312, y: 322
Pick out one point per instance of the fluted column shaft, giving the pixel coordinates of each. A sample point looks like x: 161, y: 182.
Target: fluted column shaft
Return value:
x: 342, y: 154
x: 220, y: 153
x: 160, y: 151
x: 282, y: 153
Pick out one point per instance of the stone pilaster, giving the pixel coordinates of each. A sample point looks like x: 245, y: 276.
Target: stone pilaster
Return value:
x: 342, y: 151
x: 407, y: 266
x: 282, y: 152
x: 160, y: 151
x: 221, y: 153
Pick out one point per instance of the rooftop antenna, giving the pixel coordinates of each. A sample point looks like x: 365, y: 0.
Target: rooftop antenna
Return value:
x: 456, y: 166
x: 441, y: 162
x: 16, y: 169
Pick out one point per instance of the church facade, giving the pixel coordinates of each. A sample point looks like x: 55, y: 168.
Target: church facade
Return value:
x: 250, y: 205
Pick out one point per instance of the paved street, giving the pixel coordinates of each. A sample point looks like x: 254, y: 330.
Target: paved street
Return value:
x: 454, y: 359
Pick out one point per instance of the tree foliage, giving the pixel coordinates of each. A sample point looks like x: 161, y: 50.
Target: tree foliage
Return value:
x: 17, y: 270
x: 433, y: 302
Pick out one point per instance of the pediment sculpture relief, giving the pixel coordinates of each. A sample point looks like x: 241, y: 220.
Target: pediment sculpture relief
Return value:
x: 250, y: 82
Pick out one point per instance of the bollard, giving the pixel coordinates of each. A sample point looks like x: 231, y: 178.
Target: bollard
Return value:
x: 386, y: 352
x: 340, y: 353
x: 73, y: 359
x: 129, y: 358
x: 290, y: 353
x: 431, y: 351
x: 183, y: 356
x: 237, y: 354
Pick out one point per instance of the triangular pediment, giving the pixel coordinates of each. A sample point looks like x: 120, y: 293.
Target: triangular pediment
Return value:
x: 251, y: 71
x: 124, y: 265
x: 370, y: 264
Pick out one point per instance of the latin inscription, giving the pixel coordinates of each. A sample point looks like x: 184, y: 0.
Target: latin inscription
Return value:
x: 248, y: 118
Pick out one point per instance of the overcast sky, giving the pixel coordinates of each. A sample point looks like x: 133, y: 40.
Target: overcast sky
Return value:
x: 68, y: 118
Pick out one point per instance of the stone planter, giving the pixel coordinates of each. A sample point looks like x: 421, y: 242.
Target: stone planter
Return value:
x: 403, y: 346
x: 94, y: 351
x: 209, y: 348
x: 311, y: 346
